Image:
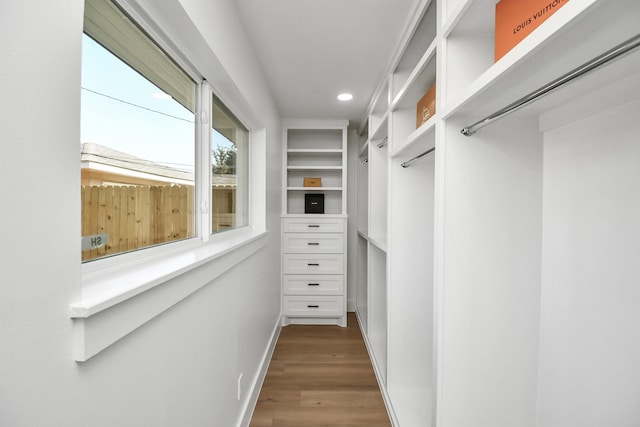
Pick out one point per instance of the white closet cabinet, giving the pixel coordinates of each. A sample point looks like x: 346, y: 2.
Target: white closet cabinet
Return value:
x: 314, y: 244
x: 506, y: 285
x: 362, y: 248
x: 396, y: 229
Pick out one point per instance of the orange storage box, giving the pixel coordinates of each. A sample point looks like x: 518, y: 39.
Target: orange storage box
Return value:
x: 426, y: 106
x: 516, y: 19
x: 312, y: 182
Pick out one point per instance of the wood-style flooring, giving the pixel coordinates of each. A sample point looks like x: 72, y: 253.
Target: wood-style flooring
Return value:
x: 320, y: 376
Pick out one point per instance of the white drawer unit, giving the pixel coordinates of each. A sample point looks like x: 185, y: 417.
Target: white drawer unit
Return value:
x: 313, y: 306
x: 314, y: 270
x: 307, y: 284
x: 314, y: 245
x: 321, y: 243
x: 314, y: 225
x: 313, y: 264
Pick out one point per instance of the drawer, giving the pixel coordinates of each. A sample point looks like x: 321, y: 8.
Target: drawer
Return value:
x: 313, y: 306
x: 313, y: 225
x: 318, y: 243
x: 313, y: 264
x: 313, y: 285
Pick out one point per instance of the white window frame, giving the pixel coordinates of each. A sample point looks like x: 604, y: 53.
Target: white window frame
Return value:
x: 109, y: 282
x: 248, y: 178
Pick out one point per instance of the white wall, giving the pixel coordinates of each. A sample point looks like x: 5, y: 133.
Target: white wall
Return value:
x: 490, y: 299
x: 590, y: 325
x: 181, y: 367
x: 352, y: 221
x: 410, y: 257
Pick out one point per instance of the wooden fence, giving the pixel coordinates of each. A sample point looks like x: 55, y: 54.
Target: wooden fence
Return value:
x: 136, y: 216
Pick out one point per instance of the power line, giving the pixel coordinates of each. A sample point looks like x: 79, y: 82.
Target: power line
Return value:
x: 136, y: 105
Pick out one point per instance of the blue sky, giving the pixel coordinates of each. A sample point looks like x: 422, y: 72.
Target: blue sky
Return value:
x: 136, y: 131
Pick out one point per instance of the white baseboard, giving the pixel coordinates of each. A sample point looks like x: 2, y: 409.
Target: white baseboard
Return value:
x: 381, y: 383
x: 258, y: 380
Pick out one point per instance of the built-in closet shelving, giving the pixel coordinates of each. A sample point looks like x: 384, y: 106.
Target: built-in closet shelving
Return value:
x: 396, y: 235
x: 314, y: 241
x: 315, y: 153
x: 362, y: 220
x: 499, y: 281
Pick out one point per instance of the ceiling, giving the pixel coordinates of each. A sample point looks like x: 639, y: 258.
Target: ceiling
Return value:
x: 312, y: 50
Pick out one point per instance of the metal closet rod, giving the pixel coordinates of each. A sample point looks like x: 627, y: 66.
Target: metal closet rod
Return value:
x: 408, y: 162
x: 596, y: 62
x: 383, y: 142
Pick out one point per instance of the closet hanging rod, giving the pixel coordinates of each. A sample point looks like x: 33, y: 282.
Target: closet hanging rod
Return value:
x: 408, y: 162
x: 383, y: 142
x: 596, y: 62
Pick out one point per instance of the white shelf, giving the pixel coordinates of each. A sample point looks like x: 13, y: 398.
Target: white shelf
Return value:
x: 577, y: 32
x: 313, y: 216
x: 380, y: 131
x: 418, y: 141
x: 306, y: 151
x: 314, y: 148
x: 455, y: 16
x: 426, y: 63
x: 379, y: 106
x: 364, y: 149
x: 312, y: 167
x: 422, y: 35
x: 378, y: 241
x: 314, y: 188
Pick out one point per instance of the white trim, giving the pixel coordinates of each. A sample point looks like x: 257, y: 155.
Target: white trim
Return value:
x: 113, y: 305
x: 203, y: 161
x: 115, y: 286
x: 379, y: 376
x: 250, y: 404
x: 314, y: 216
x: 307, y: 124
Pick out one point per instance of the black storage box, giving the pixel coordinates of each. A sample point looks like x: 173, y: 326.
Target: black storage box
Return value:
x: 314, y: 203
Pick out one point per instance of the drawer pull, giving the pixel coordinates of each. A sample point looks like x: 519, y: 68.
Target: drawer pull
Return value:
x: 311, y: 264
x: 313, y: 244
x: 312, y: 306
x: 313, y: 284
x: 313, y: 226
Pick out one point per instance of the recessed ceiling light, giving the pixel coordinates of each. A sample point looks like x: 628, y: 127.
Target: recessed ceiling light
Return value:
x: 345, y: 97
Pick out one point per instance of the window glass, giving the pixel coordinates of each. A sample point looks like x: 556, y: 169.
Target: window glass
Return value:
x: 229, y: 167
x: 137, y: 139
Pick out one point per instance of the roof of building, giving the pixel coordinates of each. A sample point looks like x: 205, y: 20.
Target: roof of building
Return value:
x: 96, y: 153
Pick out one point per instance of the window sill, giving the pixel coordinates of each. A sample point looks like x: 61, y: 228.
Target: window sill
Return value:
x: 117, y: 302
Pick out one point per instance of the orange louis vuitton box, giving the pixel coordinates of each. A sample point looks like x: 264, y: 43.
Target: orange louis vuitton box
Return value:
x: 516, y: 19
x: 426, y: 106
x: 313, y: 182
